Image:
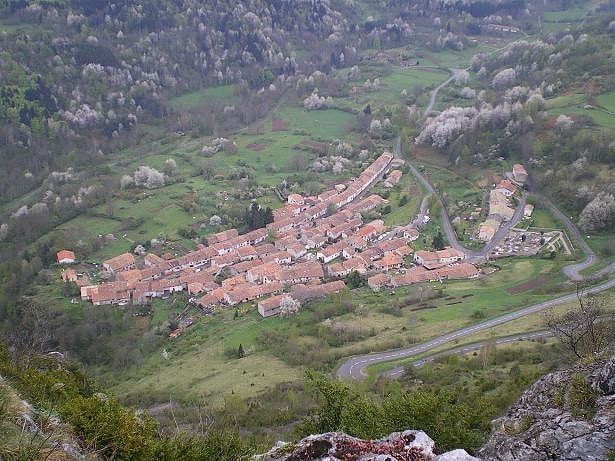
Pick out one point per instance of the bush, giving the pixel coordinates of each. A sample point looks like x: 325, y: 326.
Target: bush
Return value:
x: 105, y: 425
x: 581, y: 397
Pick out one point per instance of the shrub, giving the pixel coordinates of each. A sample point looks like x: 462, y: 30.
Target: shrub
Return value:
x: 581, y: 397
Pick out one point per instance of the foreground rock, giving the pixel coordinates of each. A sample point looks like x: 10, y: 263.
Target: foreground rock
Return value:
x: 337, y: 446
x: 566, y: 415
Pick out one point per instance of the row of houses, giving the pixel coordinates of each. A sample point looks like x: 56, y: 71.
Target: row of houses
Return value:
x: 248, y: 267
x: 417, y: 274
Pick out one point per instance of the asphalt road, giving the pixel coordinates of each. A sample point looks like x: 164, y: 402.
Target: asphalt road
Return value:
x: 355, y: 367
x: 473, y: 256
x: 399, y: 371
x: 572, y: 271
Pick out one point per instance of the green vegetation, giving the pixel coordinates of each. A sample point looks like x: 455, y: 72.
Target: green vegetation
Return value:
x: 53, y: 386
x: 205, y: 97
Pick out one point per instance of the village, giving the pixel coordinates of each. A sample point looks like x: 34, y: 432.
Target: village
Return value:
x: 308, y: 250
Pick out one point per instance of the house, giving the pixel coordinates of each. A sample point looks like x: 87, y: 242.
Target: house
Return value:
x: 499, y: 205
x: 153, y: 260
x: 295, y: 199
x: 300, y: 273
x: 378, y: 281
x: 272, y: 306
x: 303, y: 293
x: 246, y: 253
x: 528, y: 209
x: 123, y: 262
x: 487, y: 229
x: 65, y: 257
x: 367, y: 203
x: 506, y: 187
x: 314, y: 240
x: 129, y: 276
x: 519, y: 173
x: 371, y: 254
x: 328, y: 254
x: 227, y: 259
x: 327, y: 195
x: 296, y: 250
x: 392, y: 179
x: 390, y: 261
x: 438, y: 258
x: 213, y: 298
x: 69, y: 275
x: 109, y: 293
x: 348, y: 252
x: 280, y: 257
x: 346, y: 267
x: 222, y: 236
x: 410, y: 233
x: 249, y: 292
x: 264, y: 249
x: 263, y: 273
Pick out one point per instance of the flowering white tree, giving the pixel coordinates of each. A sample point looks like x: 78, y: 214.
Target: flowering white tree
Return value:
x: 441, y: 130
x: 504, y: 79
x: 148, y: 177
x: 170, y: 166
x: 467, y: 93
x: 563, y: 123
x: 315, y: 102
x: 126, y: 181
x: 289, y: 306
x: 215, y: 220
x: 599, y: 214
x: 462, y: 78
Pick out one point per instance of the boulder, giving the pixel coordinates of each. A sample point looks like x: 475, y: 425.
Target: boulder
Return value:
x: 408, y: 445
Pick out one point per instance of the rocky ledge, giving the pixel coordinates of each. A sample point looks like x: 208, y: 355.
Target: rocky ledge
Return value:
x: 336, y: 446
x: 566, y: 415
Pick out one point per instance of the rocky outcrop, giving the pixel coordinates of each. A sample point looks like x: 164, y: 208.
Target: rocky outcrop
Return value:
x: 566, y: 415
x: 336, y: 446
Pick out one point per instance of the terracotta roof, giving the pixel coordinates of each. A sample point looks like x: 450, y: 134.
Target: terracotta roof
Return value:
x: 389, y: 260
x: 65, y: 254
x: 106, y: 293
x: 507, y: 185
x: 306, y: 270
x: 378, y: 280
x: 304, y: 292
x: 222, y: 236
x: 120, y: 261
x: 519, y: 168
x: 154, y: 260
x: 212, y: 298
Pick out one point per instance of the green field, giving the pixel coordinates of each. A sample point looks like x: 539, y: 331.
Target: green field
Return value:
x: 574, y: 105
x: 198, y: 366
x: 528, y: 323
x: 222, y: 93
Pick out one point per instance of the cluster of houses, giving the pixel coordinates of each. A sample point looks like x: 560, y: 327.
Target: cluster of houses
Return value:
x: 500, y: 207
x: 311, y: 243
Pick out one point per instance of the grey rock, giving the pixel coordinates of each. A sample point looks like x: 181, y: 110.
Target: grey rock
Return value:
x: 536, y: 429
x: 456, y: 455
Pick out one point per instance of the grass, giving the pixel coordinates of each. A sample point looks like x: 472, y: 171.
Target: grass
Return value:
x: 529, y: 323
x: 602, y: 114
x: 204, y: 97
x: 138, y: 215
x: 198, y: 366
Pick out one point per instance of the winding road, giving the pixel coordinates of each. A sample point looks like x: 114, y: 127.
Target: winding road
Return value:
x: 399, y: 371
x: 355, y: 367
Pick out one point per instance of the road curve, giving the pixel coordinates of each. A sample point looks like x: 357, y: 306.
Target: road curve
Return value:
x: 399, y: 371
x: 355, y: 367
x: 572, y: 271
